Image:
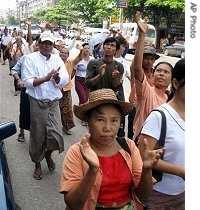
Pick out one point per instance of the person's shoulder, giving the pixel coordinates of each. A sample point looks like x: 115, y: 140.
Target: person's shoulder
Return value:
x: 94, y: 61
x: 91, y: 58
x: 75, y: 148
x: 118, y: 63
x: 55, y: 51
x: 31, y: 55
x: 130, y: 143
x: 55, y: 56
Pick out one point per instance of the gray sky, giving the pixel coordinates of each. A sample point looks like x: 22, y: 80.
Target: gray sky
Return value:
x: 5, y: 4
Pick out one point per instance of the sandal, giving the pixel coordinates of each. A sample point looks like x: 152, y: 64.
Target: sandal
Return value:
x: 21, y: 137
x: 37, y: 174
x: 50, y: 163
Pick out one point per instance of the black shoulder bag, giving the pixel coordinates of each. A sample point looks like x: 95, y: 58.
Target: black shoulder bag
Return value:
x: 161, y: 142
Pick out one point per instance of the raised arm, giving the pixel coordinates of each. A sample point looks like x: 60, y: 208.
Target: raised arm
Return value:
x: 132, y: 96
x: 29, y: 35
x: 76, y: 60
x: 161, y: 165
x: 150, y: 158
x: 138, y: 58
x: 42, y: 26
x: 72, y: 44
x: 77, y: 196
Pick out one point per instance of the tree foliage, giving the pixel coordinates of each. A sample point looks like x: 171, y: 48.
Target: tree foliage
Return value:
x: 12, y: 20
x: 92, y: 11
x: 95, y: 11
x: 58, y: 14
x: 158, y: 11
x: 172, y: 4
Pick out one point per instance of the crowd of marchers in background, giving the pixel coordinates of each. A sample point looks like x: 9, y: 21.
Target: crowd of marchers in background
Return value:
x: 43, y: 76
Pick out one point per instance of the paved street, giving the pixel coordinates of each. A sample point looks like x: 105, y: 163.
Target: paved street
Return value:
x: 31, y: 194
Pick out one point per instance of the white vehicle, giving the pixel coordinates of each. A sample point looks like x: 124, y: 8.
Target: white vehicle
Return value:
x: 88, y: 32
x: 130, y: 31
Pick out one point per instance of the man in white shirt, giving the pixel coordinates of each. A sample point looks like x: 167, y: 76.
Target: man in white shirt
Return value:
x: 5, y: 39
x: 44, y: 74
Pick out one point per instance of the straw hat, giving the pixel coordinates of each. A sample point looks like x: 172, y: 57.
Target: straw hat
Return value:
x: 98, y: 97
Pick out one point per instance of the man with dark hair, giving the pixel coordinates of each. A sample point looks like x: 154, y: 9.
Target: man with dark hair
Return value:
x: 106, y: 72
x: 43, y: 80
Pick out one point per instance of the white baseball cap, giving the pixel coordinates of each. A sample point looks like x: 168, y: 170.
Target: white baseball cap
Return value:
x: 47, y: 36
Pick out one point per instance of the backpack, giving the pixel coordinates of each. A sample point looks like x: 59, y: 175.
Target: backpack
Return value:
x: 161, y: 142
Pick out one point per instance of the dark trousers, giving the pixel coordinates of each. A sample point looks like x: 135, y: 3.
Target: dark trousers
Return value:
x: 24, y: 116
x: 131, y: 116
x: 81, y: 89
x: 6, y: 55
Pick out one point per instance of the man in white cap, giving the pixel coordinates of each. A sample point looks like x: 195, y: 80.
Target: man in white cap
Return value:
x: 44, y: 74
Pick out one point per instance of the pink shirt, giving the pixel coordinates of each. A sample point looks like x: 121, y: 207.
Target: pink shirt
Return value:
x: 74, y: 168
x: 148, y: 98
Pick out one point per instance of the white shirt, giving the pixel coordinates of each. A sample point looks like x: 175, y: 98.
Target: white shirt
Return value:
x: 6, y: 39
x: 174, y: 143
x: 125, y: 65
x: 81, y: 67
x: 34, y: 66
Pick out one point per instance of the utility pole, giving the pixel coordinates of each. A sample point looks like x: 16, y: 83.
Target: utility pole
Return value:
x: 121, y: 4
x: 121, y: 18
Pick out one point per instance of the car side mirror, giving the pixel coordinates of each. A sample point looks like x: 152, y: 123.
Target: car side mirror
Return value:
x: 7, y: 129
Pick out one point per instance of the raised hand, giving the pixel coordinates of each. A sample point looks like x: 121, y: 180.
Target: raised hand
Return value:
x: 51, y: 24
x: 78, y: 46
x: 115, y: 73
x: 49, y: 76
x: 150, y: 157
x: 88, y: 153
x: 102, y: 70
x: 142, y: 24
x: 42, y: 24
x: 28, y: 21
x: 55, y: 75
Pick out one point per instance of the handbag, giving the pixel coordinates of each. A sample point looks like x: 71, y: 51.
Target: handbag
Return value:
x: 161, y: 142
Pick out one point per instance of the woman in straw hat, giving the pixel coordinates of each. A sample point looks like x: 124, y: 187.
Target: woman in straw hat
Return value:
x: 97, y: 172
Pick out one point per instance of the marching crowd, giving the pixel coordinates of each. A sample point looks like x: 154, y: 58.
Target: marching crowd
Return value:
x: 108, y: 168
